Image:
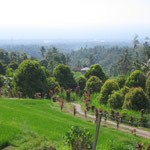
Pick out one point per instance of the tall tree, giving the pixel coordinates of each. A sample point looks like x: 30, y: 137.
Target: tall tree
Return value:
x: 91, y: 59
x: 43, y: 51
x: 124, y: 62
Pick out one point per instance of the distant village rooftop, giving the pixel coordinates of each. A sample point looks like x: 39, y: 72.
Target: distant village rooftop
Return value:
x: 81, y: 70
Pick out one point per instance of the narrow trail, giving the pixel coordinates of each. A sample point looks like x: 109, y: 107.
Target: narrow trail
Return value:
x: 126, y: 128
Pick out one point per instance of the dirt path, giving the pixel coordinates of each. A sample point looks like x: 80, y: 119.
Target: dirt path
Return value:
x: 145, y: 134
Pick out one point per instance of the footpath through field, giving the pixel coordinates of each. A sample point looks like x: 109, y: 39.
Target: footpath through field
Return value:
x: 139, y: 132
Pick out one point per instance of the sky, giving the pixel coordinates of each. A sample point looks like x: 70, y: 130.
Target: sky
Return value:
x: 74, y: 18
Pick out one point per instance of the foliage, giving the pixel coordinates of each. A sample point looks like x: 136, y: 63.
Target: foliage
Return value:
x: 106, y: 90
x: 124, y: 62
x: 52, y: 84
x: 79, y: 139
x: 136, y: 79
x: 64, y: 76
x: 124, y: 91
x: 44, y: 63
x: 94, y: 83
x: 121, y: 81
x: 148, y: 86
x: 30, y: 78
x: 82, y: 82
x: 1, y: 80
x: 136, y: 99
x: 46, y: 71
x: 13, y: 65
x: 9, y: 72
x: 115, y: 100
x: 2, y: 68
x: 95, y: 70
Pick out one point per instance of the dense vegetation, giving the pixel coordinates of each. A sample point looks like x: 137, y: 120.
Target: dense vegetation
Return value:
x: 51, y: 77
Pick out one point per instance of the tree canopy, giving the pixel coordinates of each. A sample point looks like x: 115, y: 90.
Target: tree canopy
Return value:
x: 30, y: 78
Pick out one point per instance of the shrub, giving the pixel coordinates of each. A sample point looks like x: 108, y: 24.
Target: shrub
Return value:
x: 106, y: 90
x: 94, y: 83
x: 30, y: 78
x: 115, y: 100
x: 81, y: 82
x: 136, y: 99
x: 52, y: 84
x: 95, y: 70
x: 121, y: 81
x: 64, y: 76
x: 13, y: 65
x: 136, y: 79
x: 124, y: 91
x: 148, y: 86
x: 79, y: 139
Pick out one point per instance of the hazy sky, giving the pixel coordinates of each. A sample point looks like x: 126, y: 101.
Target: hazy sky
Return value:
x: 68, y: 15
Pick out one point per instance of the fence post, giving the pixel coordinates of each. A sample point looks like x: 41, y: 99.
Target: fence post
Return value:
x: 97, y: 131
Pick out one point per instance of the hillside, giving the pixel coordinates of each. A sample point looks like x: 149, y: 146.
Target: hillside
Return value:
x: 20, y: 120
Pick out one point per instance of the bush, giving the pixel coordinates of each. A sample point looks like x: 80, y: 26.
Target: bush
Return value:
x: 13, y: 65
x: 64, y: 76
x: 106, y: 90
x: 136, y: 99
x: 52, y: 84
x: 96, y: 70
x: 124, y: 91
x: 136, y: 79
x: 79, y: 139
x: 30, y: 78
x: 148, y: 86
x: 115, y: 100
x: 94, y: 83
x: 82, y: 82
x: 121, y: 81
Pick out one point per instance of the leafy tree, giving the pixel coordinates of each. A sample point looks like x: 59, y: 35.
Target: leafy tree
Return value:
x: 79, y: 65
x: 95, y: 70
x: 135, y: 41
x: 91, y: 59
x: 44, y: 63
x: 2, y: 69
x: 124, y: 91
x: 33, y: 58
x: 121, y: 81
x: 148, y: 86
x: 23, y: 57
x: 136, y: 99
x: 107, y: 89
x: 136, y: 79
x: 64, y: 76
x: 1, y: 81
x: 43, y: 51
x: 9, y: 72
x: 81, y: 81
x: 52, y: 84
x: 30, y: 78
x: 13, y: 65
x: 4, y: 57
x: 94, y: 83
x: 115, y: 100
x: 78, y: 138
x: 46, y: 71
x: 124, y: 62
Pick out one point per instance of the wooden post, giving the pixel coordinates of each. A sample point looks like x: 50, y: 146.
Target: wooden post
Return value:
x: 97, y: 131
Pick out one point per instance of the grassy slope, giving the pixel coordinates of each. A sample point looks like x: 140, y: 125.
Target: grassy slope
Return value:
x: 45, y: 119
